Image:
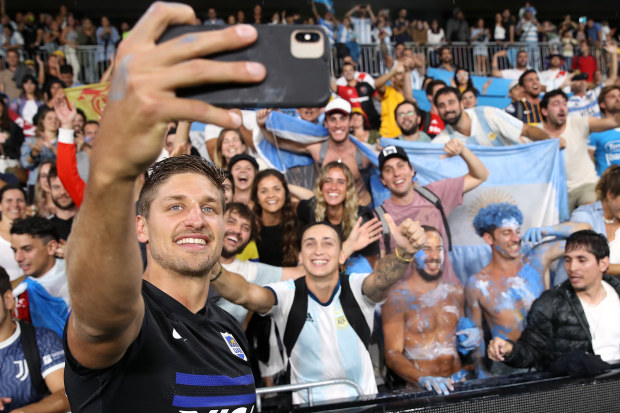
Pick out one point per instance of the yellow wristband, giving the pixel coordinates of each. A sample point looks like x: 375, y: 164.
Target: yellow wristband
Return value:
x: 400, y: 257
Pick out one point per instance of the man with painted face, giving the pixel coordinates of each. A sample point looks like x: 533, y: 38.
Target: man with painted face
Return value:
x: 502, y: 292
x: 420, y: 321
x: 332, y: 331
x: 397, y: 175
x: 582, y: 314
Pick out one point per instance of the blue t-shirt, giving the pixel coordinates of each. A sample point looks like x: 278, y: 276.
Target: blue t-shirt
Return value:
x: 606, y: 147
x: 14, y: 375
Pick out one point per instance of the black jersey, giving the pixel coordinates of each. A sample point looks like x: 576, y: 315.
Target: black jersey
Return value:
x: 180, y: 361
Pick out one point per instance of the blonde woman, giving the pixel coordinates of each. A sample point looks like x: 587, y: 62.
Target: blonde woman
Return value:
x: 228, y: 144
x: 334, y: 201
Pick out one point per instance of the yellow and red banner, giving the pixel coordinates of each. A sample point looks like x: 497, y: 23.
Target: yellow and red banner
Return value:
x: 90, y: 98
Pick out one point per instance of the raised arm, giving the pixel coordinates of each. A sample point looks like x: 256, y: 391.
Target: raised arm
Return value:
x: 238, y: 290
x: 66, y: 161
x: 353, y: 10
x: 495, y: 72
x: 603, y: 124
x: 612, y: 49
x: 105, y: 287
x: 478, y: 173
x: 410, y: 238
x: 534, y: 133
x: 382, y: 80
x: 288, y: 145
x: 473, y: 310
x: 316, y: 14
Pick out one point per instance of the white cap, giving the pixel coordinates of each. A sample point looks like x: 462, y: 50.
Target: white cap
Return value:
x: 338, y: 105
x: 513, y: 84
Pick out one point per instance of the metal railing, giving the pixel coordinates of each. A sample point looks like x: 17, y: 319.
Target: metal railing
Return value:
x: 90, y: 62
x: 476, y: 58
x: 304, y: 386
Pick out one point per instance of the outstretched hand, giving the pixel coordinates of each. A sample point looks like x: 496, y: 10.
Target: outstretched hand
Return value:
x: 64, y: 111
x: 441, y: 385
x: 454, y: 147
x: 142, y: 96
x: 409, y: 235
x: 362, y: 235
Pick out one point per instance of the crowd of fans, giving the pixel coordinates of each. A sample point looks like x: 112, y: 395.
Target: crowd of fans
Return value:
x: 428, y: 320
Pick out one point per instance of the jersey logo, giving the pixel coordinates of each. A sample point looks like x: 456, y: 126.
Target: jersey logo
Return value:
x: 176, y: 335
x: 234, y: 347
x: 309, y: 318
x: 492, y: 136
x: 22, y: 367
x: 341, y: 320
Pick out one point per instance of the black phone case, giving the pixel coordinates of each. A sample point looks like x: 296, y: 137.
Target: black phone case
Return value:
x: 290, y: 82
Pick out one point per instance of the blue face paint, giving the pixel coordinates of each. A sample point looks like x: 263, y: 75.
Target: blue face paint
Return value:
x: 420, y: 259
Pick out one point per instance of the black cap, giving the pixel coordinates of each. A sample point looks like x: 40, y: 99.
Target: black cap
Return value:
x: 391, y: 151
x: 242, y: 157
x: 580, y: 76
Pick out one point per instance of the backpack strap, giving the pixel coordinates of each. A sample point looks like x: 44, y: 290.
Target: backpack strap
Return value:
x: 352, y: 311
x: 297, y: 316
x: 32, y: 356
x: 322, y: 152
x: 380, y: 211
x: 359, y: 158
x: 431, y: 197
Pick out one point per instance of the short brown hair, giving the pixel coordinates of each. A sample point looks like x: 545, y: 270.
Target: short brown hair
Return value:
x: 605, y: 91
x: 163, y: 170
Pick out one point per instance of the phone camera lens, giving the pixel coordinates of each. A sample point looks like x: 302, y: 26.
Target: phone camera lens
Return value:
x: 307, y: 37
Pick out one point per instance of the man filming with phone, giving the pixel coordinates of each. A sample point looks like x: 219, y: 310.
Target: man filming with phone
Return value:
x: 150, y: 341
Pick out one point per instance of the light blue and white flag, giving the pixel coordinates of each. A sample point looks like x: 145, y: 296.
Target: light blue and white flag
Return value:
x: 291, y: 128
x: 531, y: 176
x: 328, y: 3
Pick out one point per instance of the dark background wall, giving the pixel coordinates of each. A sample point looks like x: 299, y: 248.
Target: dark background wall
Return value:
x: 119, y: 10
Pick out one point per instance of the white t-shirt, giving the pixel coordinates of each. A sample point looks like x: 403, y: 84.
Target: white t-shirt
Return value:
x: 360, y: 77
x: 54, y: 281
x: 604, y: 322
x: 579, y: 167
x: 512, y: 74
x: 254, y: 272
x: 435, y: 38
x: 7, y: 260
x: 29, y: 110
x: 503, y: 126
x: 553, y: 79
x: 327, y: 347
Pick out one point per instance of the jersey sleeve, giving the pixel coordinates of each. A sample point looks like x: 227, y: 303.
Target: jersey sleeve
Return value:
x: 51, y: 353
x: 267, y: 274
x: 368, y: 306
x: 284, y: 292
x: 504, y: 124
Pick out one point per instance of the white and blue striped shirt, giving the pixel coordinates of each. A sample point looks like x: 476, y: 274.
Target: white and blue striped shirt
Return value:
x: 363, y: 29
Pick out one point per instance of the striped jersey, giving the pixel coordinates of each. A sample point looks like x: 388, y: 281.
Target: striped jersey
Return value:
x: 586, y: 105
x: 363, y: 29
x: 180, y: 361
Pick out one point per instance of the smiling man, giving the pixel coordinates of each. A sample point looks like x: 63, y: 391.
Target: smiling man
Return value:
x: 583, y: 313
x: 397, y: 175
x: 482, y: 125
x: 502, y: 292
x: 581, y: 177
x: 337, y: 147
x: 148, y: 340
x: 326, y: 318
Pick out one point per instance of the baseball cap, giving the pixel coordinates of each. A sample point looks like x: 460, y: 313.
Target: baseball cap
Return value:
x: 242, y: 157
x: 580, y: 76
x: 59, y: 53
x: 338, y: 105
x: 513, y: 84
x: 389, y: 152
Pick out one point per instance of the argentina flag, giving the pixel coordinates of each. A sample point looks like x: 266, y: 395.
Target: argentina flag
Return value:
x: 531, y: 176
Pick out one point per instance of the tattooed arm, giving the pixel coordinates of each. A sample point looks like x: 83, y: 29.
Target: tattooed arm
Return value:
x: 409, y: 237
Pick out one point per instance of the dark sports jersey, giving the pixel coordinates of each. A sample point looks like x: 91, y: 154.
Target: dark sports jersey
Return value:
x: 360, y: 96
x: 15, y: 379
x: 180, y: 361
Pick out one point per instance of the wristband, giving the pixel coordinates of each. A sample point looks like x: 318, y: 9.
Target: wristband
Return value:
x: 218, y: 274
x: 400, y: 257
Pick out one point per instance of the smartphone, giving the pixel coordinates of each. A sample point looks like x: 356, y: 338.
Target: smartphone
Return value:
x: 297, y: 59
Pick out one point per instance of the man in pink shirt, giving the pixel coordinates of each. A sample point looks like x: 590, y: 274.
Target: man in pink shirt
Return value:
x: 397, y: 175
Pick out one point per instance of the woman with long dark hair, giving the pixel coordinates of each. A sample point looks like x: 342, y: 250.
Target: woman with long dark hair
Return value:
x: 278, y: 242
